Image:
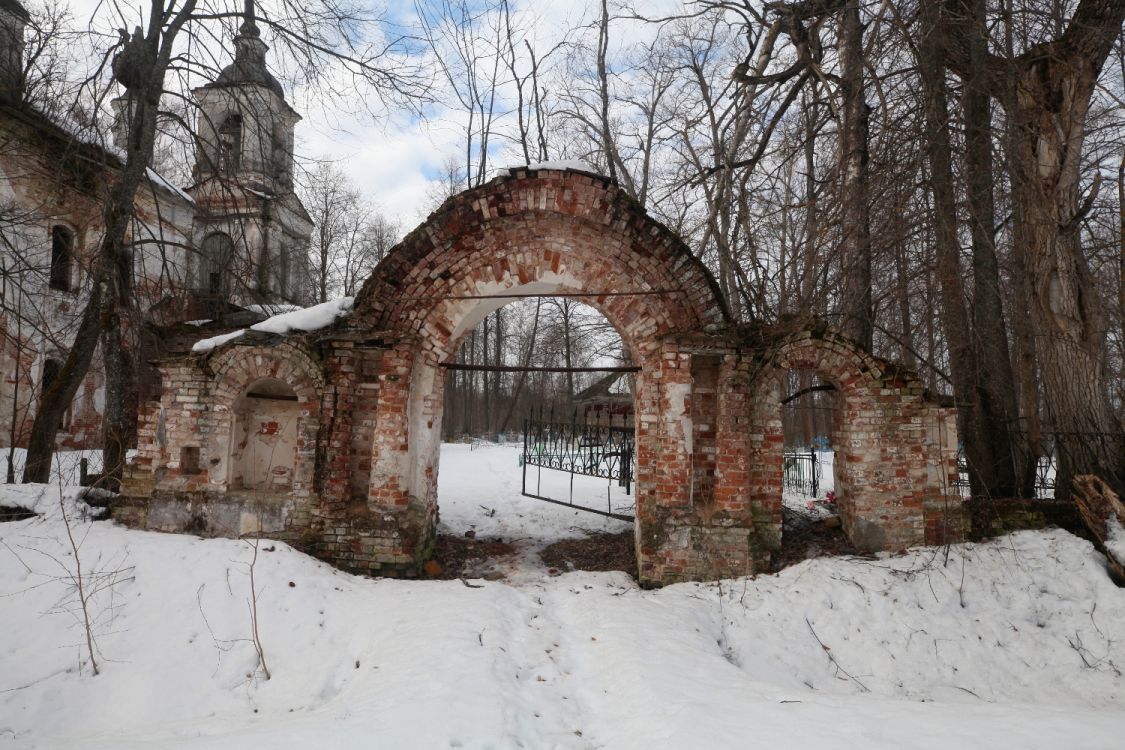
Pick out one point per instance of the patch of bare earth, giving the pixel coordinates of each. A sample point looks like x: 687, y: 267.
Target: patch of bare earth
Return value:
x: 804, y: 537
x: 14, y: 514
x: 461, y: 557
x: 596, y: 552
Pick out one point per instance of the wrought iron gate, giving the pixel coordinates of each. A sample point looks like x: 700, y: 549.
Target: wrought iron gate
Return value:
x: 597, y: 448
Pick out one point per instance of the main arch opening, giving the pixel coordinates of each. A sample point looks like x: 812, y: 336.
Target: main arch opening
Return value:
x: 538, y: 438
x: 556, y: 233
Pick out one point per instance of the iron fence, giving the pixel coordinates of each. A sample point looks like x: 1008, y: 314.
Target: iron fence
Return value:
x: 1044, y: 460
x: 801, y: 472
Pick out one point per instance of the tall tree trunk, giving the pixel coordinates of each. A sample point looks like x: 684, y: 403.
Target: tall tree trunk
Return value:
x: 609, y: 145
x: 955, y: 319
x: 902, y: 295
x: 18, y: 343
x: 1028, y: 440
x: 568, y: 352
x: 119, y: 418
x: 1049, y: 113
x: 498, y: 359
x: 996, y: 393
x: 855, y: 260
x: 931, y: 335
x: 469, y: 384
x: 811, y: 267
x: 486, y: 382
x: 522, y: 377
x: 119, y: 421
x: 1121, y: 266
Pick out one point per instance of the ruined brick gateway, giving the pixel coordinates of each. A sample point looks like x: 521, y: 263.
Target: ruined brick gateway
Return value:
x: 330, y: 439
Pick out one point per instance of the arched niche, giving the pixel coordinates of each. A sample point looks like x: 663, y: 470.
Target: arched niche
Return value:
x: 264, y: 437
x: 260, y: 395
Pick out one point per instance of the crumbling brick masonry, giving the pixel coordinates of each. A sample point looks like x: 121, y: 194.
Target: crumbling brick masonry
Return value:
x: 330, y: 439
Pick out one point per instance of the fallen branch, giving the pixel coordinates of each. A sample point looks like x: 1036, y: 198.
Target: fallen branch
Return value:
x: 1097, y: 503
x: 831, y: 658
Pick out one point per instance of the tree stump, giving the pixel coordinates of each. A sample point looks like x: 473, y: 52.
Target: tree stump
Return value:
x: 1097, y: 502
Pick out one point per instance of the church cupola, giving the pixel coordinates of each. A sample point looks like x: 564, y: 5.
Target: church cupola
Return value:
x: 249, y: 64
x: 245, y: 125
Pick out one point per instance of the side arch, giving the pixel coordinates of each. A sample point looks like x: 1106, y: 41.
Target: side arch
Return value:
x: 895, y: 450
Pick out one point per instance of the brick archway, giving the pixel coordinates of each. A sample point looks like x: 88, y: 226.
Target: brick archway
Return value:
x: 895, y: 451
x: 363, y: 491
x: 564, y: 229
x: 531, y: 232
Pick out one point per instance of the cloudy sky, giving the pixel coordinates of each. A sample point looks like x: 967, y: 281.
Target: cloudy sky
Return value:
x: 394, y: 157
x: 396, y: 160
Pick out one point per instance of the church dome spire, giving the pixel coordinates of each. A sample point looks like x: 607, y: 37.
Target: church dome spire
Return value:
x: 249, y: 64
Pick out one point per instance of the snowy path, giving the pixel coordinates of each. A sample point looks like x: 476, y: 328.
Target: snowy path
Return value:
x: 1015, y: 643
x: 543, y: 706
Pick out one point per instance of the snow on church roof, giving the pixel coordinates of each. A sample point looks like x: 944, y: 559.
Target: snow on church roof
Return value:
x: 303, y: 319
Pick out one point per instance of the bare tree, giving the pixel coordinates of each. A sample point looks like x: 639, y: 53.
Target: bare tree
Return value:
x: 1051, y: 84
x: 349, y: 235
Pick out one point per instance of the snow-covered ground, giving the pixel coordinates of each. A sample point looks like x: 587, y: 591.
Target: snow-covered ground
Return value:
x: 1016, y: 643
x: 479, y: 489
x: 65, y: 466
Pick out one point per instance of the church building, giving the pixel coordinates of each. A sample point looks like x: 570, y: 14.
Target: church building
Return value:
x: 226, y: 250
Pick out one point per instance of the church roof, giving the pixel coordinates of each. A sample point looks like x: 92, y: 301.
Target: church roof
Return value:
x: 249, y: 64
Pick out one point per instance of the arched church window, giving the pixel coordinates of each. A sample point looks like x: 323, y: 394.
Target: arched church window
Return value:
x: 264, y: 271
x: 230, y: 143
x: 62, y: 257
x: 215, y: 258
x: 51, y: 370
x: 283, y: 272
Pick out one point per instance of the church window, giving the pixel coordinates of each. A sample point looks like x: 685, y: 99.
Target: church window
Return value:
x: 283, y: 272
x: 264, y: 270
x: 215, y: 259
x: 62, y: 257
x: 230, y: 143
x: 51, y: 370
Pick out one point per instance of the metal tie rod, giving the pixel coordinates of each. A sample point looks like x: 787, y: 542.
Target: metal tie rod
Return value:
x: 541, y: 295
x: 515, y: 368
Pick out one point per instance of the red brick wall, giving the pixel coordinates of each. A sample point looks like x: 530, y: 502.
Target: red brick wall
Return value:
x: 893, y: 476
x: 707, y: 399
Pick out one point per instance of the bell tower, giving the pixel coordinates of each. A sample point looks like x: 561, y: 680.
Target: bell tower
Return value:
x: 13, y: 19
x: 245, y: 125
x: 252, y: 233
